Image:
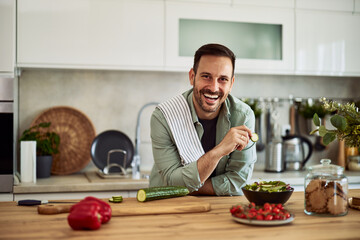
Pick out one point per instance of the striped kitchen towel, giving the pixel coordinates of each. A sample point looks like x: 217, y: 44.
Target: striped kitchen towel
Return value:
x: 178, y: 116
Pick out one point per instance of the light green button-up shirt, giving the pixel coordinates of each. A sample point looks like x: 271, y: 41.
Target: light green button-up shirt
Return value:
x: 232, y: 171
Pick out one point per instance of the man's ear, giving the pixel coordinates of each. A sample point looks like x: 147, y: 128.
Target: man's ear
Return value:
x: 191, y: 76
x: 232, y: 82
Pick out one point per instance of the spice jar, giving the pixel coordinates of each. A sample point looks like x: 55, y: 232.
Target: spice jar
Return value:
x: 326, y: 189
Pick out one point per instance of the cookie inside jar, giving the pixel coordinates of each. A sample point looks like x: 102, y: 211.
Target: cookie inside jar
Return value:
x: 326, y: 190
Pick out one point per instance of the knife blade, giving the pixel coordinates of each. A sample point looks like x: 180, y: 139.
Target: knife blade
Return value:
x: 33, y: 202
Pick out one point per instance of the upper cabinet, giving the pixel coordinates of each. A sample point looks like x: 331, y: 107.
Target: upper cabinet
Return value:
x: 327, y: 42
x: 326, y: 5
x: 357, y: 7
x: 305, y: 37
x: 7, y: 37
x: 106, y: 34
x: 262, y: 38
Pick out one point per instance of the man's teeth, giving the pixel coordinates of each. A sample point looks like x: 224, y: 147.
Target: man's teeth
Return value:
x: 211, y: 96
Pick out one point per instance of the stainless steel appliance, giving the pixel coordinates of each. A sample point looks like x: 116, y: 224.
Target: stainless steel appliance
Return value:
x: 274, y: 156
x: 6, y: 135
x: 294, y: 153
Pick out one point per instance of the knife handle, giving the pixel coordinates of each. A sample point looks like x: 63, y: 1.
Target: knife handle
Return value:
x: 54, y: 209
x: 29, y: 202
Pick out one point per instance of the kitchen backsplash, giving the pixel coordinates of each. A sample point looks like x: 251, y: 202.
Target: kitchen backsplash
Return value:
x: 112, y: 99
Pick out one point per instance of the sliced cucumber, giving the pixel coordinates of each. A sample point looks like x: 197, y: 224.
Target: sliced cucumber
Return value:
x: 154, y: 193
x: 254, y: 137
x: 116, y: 199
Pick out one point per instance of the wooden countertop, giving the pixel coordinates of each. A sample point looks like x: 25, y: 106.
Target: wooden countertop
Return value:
x: 91, y: 182
x: 20, y: 222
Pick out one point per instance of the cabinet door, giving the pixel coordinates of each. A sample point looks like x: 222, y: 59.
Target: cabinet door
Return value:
x: 326, y: 5
x: 357, y: 7
x: 106, y: 34
x: 7, y: 37
x: 327, y: 43
x: 217, y: 18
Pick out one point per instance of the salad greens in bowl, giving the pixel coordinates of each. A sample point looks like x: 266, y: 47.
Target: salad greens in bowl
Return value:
x: 268, y: 192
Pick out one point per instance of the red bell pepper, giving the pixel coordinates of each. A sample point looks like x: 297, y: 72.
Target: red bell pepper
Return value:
x: 85, y: 215
x: 105, y: 210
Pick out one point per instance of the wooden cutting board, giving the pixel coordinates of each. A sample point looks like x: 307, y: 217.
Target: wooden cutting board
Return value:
x: 131, y: 207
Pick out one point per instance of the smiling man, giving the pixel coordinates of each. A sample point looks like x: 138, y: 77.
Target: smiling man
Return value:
x: 199, y: 138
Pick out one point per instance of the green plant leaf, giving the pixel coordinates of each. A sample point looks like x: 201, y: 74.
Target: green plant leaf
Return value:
x: 328, y: 138
x: 47, y: 143
x: 322, y: 131
x: 314, y: 131
x: 339, y: 122
x: 44, y: 124
x: 316, y: 120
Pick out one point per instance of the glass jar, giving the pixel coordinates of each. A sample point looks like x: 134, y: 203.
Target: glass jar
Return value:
x: 326, y: 189
x: 354, y: 163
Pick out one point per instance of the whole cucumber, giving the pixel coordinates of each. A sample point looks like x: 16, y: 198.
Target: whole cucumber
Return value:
x: 154, y: 193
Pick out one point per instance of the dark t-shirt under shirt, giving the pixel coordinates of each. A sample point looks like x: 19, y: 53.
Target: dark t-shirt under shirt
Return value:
x: 208, y: 139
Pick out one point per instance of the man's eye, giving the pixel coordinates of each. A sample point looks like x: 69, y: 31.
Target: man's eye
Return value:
x: 223, y: 79
x: 205, y: 76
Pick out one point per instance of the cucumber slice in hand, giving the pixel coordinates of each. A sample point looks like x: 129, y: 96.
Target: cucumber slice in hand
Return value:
x: 254, y: 137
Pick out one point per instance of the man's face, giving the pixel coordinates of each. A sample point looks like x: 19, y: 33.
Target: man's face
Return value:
x: 211, y: 84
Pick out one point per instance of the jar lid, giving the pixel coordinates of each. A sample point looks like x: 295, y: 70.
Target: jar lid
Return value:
x: 326, y: 168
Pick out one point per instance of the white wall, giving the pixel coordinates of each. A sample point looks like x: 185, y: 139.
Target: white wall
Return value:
x: 112, y: 99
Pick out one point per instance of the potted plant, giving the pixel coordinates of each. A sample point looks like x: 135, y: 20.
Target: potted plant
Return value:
x: 346, y: 122
x: 47, y: 144
x: 308, y: 110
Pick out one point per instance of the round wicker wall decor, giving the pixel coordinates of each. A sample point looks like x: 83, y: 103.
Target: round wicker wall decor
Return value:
x: 76, y: 135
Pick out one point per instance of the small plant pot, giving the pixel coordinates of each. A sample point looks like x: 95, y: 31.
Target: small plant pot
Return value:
x: 43, y: 166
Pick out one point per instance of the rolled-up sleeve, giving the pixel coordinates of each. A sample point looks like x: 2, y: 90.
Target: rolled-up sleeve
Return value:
x: 168, y: 170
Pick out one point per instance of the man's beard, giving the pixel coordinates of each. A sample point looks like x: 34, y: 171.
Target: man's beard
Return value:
x: 203, y: 105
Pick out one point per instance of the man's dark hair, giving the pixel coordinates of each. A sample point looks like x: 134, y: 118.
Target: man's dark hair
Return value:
x: 213, y: 49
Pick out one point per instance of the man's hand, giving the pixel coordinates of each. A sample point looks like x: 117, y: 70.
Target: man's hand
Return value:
x: 237, y: 138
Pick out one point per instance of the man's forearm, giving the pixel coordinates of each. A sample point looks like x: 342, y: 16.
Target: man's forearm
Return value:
x: 207, y: 163
x: 206, y: 189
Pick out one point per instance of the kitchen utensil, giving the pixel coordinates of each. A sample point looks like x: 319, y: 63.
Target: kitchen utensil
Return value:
x: 293, y: 151
x: 32, y: 202
x: 131, y: 207
x: 268, y: 127
x: 112, y: 165
x: 108, y: 141
x: 260, y: 146
x: 76, y: 134
x: 274, y: 161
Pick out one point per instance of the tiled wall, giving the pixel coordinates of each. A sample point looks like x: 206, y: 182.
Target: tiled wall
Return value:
x: 112, y: 99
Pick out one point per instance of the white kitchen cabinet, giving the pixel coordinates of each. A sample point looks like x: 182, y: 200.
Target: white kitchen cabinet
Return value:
x: 7, y: 37
x: 326, y: 5
x: 217, y: 16
x: 327, y: 43
x: 106, y: 34
x: 267, y: 3
x: 357, y: 7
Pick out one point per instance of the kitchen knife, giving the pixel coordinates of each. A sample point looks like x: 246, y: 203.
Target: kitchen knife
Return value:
x: 32, y: 202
